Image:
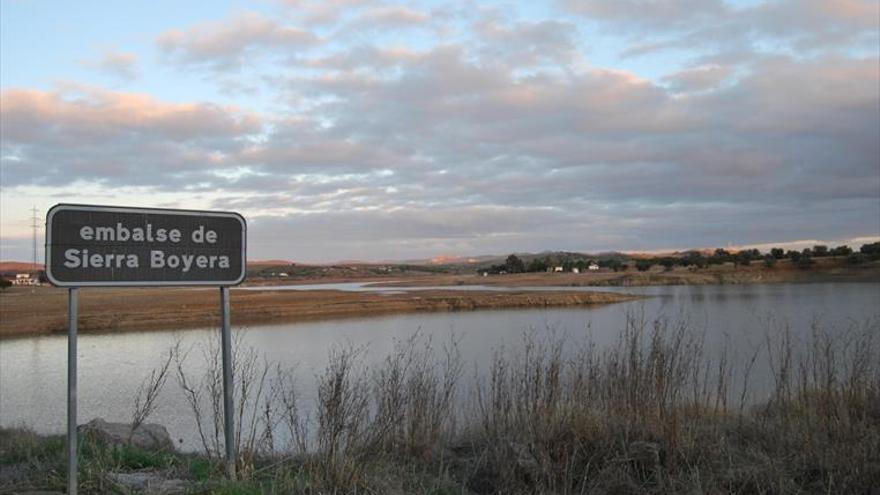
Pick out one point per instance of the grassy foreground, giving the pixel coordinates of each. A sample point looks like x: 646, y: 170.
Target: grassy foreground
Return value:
x: 656, y: 413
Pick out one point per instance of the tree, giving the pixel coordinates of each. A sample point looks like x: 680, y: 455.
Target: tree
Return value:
x: 496, y: 269
x: 820, y: 251
x: 777, y: 253
x: 696, y: 259
x: 612, y: 263
x: 537, y: 265
x: 856, y: 258
x: 514, y: 264
x: 871, y: 250
x: 793, y: 255
x: 720, y: 257
x: 644, y: 265
x: 805, y: 262
x: 4, y: 283
x: 770, y: 260
x: 667, y: 263
x: 841, y: 251
x: 743, y: 258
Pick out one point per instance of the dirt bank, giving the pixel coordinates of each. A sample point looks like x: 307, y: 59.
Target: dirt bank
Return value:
x: 44, y: 310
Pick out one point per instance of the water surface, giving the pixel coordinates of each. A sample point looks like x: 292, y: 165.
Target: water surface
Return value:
x: 111, y: 366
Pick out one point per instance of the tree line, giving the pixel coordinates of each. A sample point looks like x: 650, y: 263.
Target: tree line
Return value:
x: 803, y: 259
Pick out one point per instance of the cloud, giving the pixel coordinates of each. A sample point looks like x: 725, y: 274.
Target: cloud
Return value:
x: 118, y: 64
x: 225, y: 45
x: 792, y: 26
x: 81, y: 132
x: 700, y: 78
x: 526, y: 44
x: 663, y: 14
x: 444, y: 130
x: 323, y: 12
x: 389, y: 17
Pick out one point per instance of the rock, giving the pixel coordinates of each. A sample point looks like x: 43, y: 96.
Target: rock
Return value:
x: 13, y: 474
x: 149, y: 436
x: 147, y: 483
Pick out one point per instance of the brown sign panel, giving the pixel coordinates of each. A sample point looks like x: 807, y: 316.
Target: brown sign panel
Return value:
x: 118, y: 246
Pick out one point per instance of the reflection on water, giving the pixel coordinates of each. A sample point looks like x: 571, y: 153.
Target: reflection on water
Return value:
x: 341, y: 286
x: 33, y: 370
x: 380, y: 288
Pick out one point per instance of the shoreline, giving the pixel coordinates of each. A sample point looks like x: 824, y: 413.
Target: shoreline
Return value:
x: 44, y: 311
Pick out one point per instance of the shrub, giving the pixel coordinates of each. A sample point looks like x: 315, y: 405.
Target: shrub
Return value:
x: 856, y: 258
x: 805, y: 262
x: 871, y: 250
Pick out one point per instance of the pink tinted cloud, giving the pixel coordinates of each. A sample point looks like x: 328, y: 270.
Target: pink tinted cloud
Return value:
x: 119, y: 64
x: 83, y: 111
x: 224, y: 44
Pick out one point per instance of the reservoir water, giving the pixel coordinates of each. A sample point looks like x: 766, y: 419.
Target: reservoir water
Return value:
x: 112, y: 366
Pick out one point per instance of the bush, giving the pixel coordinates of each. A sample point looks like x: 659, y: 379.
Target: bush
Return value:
x: 841, y: 251
x: 805, y: 262
x: 856, y: 258
x: 644, y: 265
x: 871, y: 250
x: 612, y: 263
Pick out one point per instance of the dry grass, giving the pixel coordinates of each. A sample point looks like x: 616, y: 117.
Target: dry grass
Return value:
x: 655, y: 413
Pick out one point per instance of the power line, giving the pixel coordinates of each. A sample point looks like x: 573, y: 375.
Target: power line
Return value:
x: 35, y: 226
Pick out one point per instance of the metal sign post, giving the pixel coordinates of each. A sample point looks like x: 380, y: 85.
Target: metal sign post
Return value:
x: 104, y: 246
x: 228, y: 411
x: 72, y: 308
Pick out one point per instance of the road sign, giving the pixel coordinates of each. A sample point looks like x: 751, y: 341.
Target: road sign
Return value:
x: 104, y: 246
x: 116, y: 246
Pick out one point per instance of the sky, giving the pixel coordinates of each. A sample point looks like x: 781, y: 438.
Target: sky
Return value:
x: 368, y: 130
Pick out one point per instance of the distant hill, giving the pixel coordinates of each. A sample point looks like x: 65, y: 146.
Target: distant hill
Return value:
x: 445, y: 260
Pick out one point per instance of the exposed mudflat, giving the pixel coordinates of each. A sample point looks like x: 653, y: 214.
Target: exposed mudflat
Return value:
x: 43, y: 310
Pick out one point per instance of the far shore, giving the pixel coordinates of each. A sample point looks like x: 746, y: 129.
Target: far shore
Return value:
x: 823, y: 270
